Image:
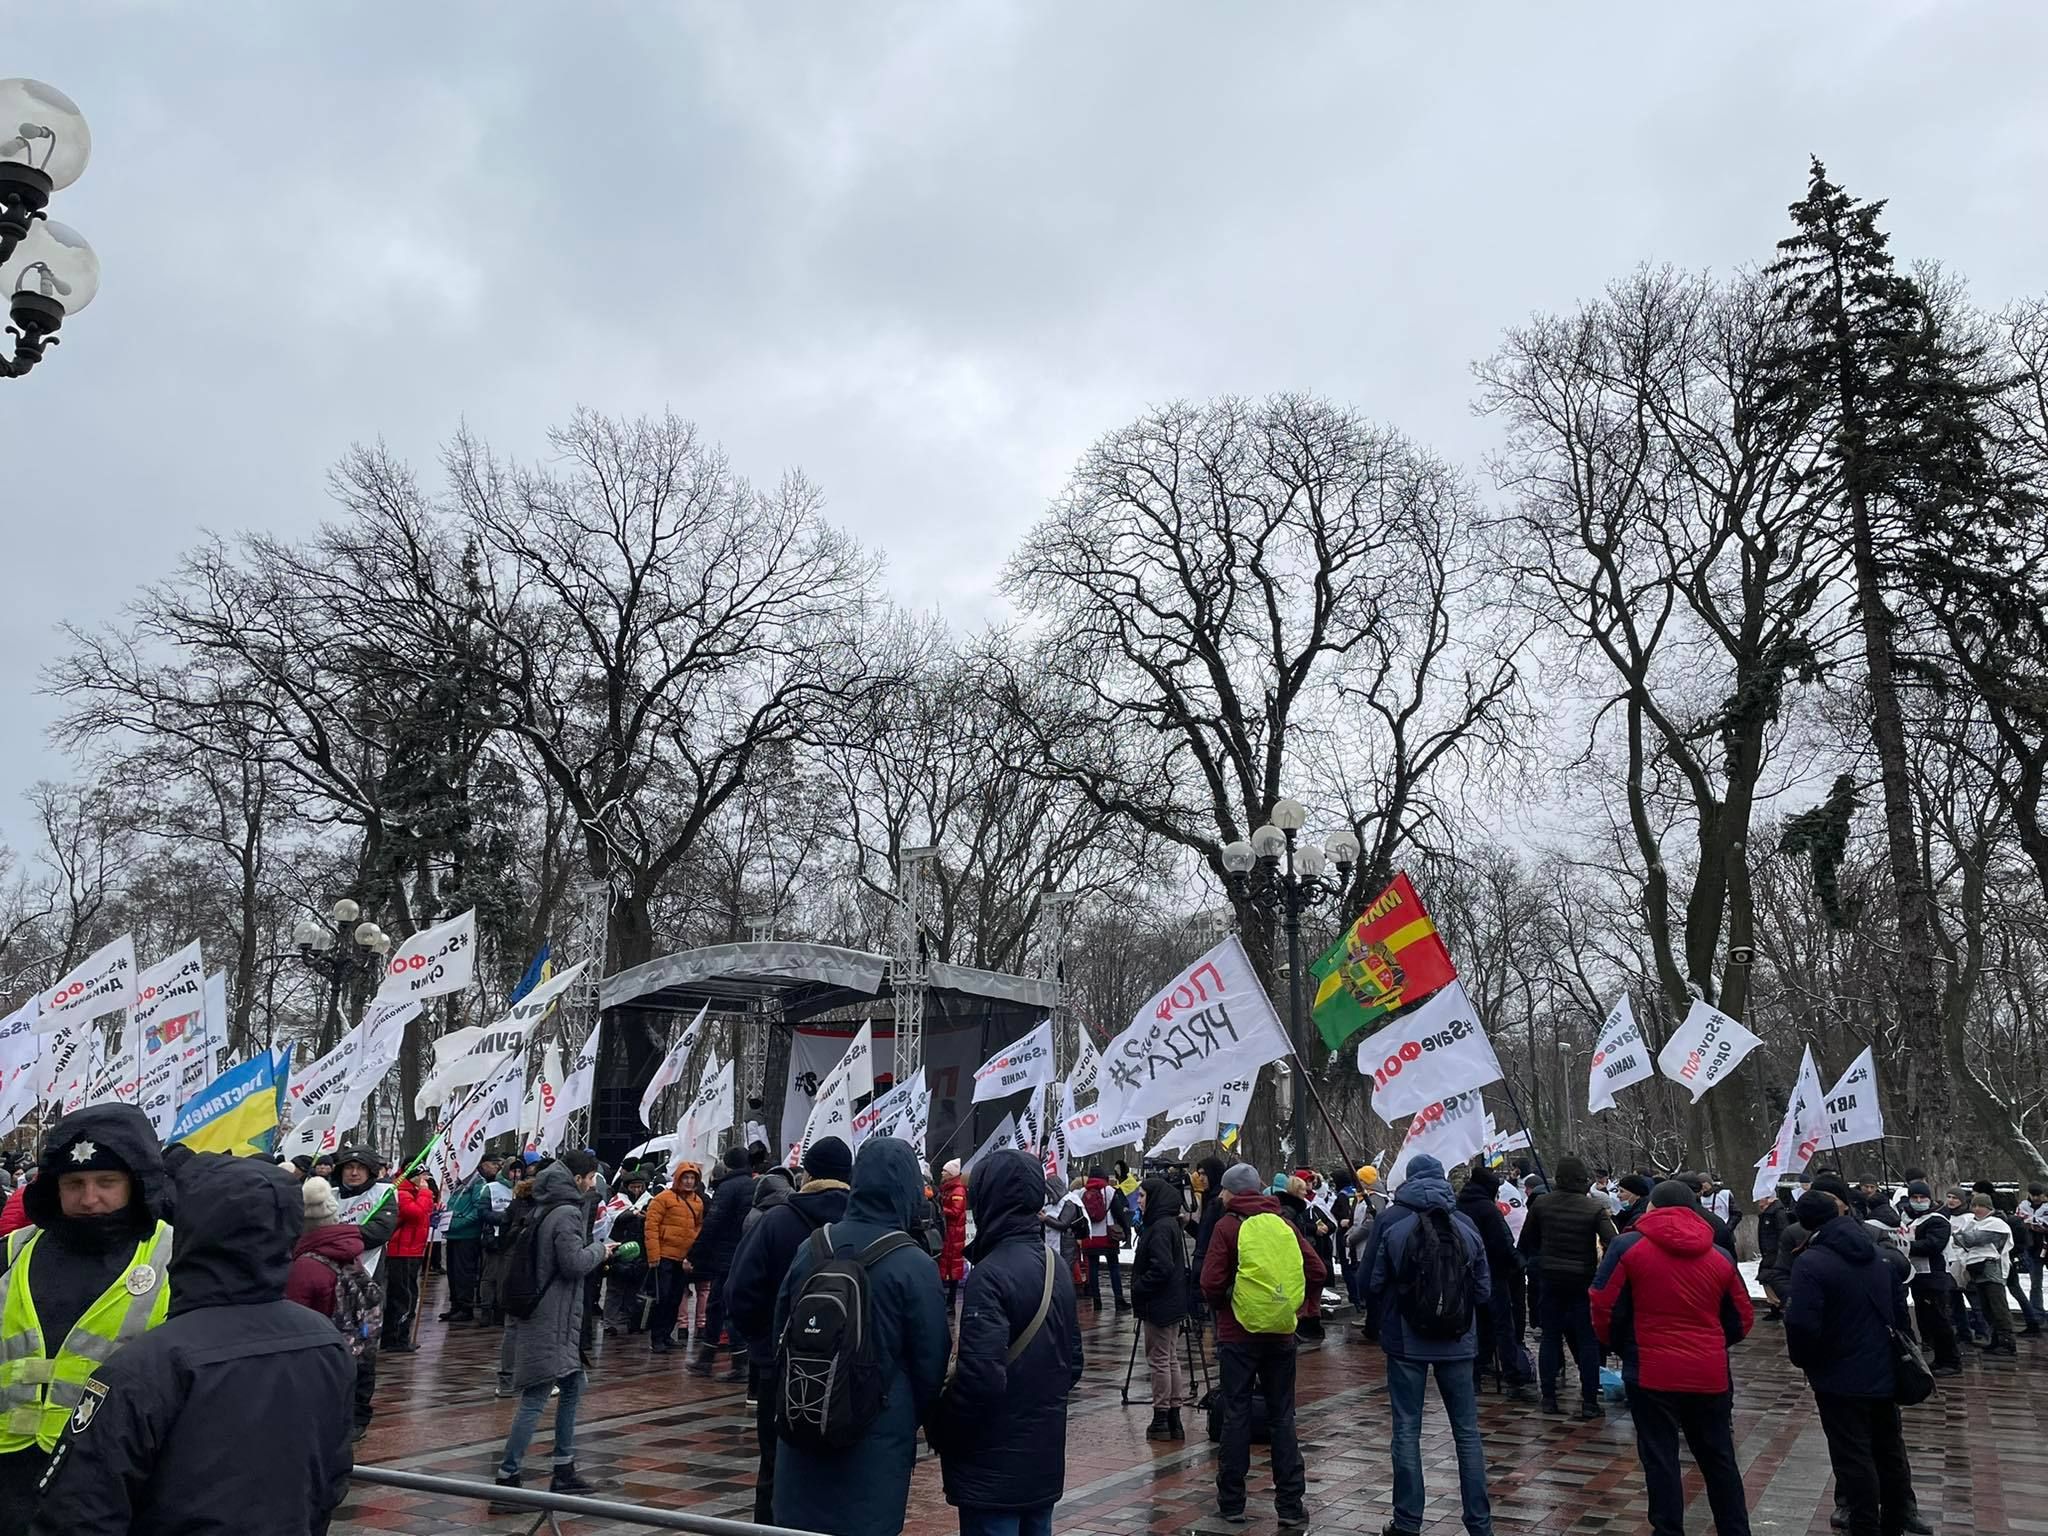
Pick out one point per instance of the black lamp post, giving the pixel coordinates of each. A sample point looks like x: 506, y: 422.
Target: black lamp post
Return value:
x: 336, y: 946
x: 47, y: 270
x: 1279, y: 873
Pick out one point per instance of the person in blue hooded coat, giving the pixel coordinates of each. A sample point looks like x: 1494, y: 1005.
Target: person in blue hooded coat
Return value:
x: 1004, y: 1422
x: 1425, y: 1195
x: 864, y: 1491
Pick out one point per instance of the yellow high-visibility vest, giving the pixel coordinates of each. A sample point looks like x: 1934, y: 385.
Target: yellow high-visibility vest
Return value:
x: 38, y: 1391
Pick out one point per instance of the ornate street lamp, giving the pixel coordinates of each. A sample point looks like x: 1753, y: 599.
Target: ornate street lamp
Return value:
x: 337, y: 944
x: 1276, y: 871
x: 47, y: 271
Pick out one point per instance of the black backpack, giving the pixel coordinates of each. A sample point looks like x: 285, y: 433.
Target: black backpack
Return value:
x: 519, y: 1291
x: 1434, y: 1283
x: 829, y: 1387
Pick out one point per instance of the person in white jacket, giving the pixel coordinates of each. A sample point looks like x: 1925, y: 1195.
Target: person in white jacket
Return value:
x: 1986, y: 1244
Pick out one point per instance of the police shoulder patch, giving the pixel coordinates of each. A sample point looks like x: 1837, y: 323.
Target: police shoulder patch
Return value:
x: 94, y: 1393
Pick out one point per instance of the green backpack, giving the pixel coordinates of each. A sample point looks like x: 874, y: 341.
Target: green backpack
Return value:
x: 1267, y: 1294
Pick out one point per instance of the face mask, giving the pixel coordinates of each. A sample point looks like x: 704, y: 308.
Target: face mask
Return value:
x: 1919, y: 1207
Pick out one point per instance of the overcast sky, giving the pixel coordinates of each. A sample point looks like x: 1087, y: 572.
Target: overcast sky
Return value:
x: 925, y: 251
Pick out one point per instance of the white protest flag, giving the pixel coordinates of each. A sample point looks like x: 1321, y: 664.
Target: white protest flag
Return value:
x: 708, y: 1114
x: 1193, y: 1123
x: 1798, y: 1135
x: 890, y: 1114
x: 1232, y: 1100
x: 1622, y: 1057
x: 199, y: 1056
x: 547, y: 1087
x: 313, y: 1135
x: 1431, y: 1052
x: 670, y: 1072
x: 173, y: 988
x: 851, y: 1079
x: 20, y: 1055
x: 1705, y: 1048
x: 71, y: 1059
x: 433, y: 961
x: 1087, y: 1061
x: 488, y: 1047
x: 448, y: 1050
x: 1852, y: 1108
x: 490, y: 1108
x: 101, y: 983
x: 1003, y: 1137
x: 157, y: 1093
x: 1449, y: 1131
x: 1031, y: 1121
x: 114, y: 1083
x: 1025, y: 1063
x: 1088, y: 1132
x: 1210, y: 1024
x: 1054, y: 1153
x: 577, y: 1089
x: 359, y: 1060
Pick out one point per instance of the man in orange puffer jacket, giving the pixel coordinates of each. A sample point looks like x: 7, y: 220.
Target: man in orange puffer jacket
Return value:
x: 674, y: 1218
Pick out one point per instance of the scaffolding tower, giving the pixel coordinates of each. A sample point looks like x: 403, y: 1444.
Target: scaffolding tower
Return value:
x: 760, y: 1020
x: 916, y: 907
x: 1049, y: 963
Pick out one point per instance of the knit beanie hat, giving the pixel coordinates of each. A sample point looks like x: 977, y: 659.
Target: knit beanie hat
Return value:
x: 1671, y: 1192
x: 735, y: 1158
x: 578, y: 1161
x: 828, y: 1158
x: 322, y: 1209
x: 951, y: 1169
x: 1816, y: 1209
x: 1635, y: 1184
x: 1242, y: 1179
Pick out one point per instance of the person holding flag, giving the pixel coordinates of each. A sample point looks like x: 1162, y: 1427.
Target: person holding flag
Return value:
x: 366, y: 1200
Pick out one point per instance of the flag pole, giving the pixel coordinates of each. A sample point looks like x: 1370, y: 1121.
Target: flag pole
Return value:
x: 1322, y: 1108
x: 1508, y: 1088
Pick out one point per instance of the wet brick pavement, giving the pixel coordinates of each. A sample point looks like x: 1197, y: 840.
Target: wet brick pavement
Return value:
x: 657, y: 1436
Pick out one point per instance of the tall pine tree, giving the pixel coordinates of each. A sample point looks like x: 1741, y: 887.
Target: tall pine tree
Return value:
x: 1903, y: 408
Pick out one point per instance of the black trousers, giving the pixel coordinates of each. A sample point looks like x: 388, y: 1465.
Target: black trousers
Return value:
x: 1937, y: 1329
x: 1867, y: 1445
x: 669, y: 1284
x: 714, y: 1319
x: 1267, y: 1361
x: 366, y: 1386
x: 1567, y: 1316
x: 1703, y: 1418
x: 465, y: 1269
x: 21, y: 1476
x: 758, y: 1387
x: 1115, y: 1259
x: 401, y: 1279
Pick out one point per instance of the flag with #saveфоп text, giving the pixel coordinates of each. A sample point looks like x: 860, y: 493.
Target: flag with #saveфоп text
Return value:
x: 1705, y: 1048
x: 1389, y: 958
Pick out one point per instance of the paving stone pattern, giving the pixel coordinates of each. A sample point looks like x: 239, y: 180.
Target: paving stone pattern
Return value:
x: 657, y: 1436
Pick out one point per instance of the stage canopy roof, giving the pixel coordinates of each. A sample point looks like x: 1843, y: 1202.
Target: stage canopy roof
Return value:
x: 802, y: 981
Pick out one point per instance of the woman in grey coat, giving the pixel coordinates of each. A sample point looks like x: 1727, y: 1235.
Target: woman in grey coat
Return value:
x: 546, y: 1351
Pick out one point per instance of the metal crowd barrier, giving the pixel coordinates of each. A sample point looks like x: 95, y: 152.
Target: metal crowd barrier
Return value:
x: 548, y: 1505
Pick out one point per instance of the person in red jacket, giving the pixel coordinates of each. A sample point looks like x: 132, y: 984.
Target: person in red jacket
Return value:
x: 1670, y: 1303
x: 953, y: 1206
x: 14, y: 1215
x: 405, y: 1255
x: 326, y: 1236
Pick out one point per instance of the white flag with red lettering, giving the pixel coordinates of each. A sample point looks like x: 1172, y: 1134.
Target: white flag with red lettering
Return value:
x: 1434, y: 1050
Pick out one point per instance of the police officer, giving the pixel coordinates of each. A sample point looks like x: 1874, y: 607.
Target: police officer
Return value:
x: 87, y: 1277
x: 231, y: 1416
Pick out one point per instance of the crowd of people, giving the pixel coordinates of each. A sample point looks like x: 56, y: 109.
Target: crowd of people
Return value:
x: 161, y: 1309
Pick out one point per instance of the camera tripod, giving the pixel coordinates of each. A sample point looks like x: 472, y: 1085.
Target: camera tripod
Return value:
x: 1194, y: 1348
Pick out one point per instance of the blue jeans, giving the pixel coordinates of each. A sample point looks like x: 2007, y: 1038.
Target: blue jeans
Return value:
x: 1405, y: 1382
x: 1006, y: 1522
x: 527, y: 1419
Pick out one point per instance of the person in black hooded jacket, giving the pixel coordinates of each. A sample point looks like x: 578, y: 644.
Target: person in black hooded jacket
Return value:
x: 1159, y: 1294
x: 1004, y: 1407
x: 1500, y: 1341
x: 774, y: 1233
x: 231, y: 1417
x: 725, y: 1218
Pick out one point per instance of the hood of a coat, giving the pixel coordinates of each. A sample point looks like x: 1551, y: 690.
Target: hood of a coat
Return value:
x: 340, y: 1242
x: 239, y: 1219
x: 1162, y: 1198
x: 1249, y: 1206
x: 1845, y: 1238
x: 1006, y: 1196
x: 556, y: 1185
x: 1426, y: 1191
x: 121, y: 1129
x: 887, y: 1188
x: 1676, y: 1229
x: 773, y: 1188
x: 820, y: 1201
x: 1572, y: 1177
x: 676, y: 1182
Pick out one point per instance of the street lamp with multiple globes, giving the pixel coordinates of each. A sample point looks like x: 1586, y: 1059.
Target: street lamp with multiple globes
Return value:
x: 1278, y: 872
x: 325, y: 947
x: 47, y: 270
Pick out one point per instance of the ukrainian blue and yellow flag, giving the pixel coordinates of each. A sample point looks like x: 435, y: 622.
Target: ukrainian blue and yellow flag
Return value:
x: 542, y: 969
x: 238, y: 1111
